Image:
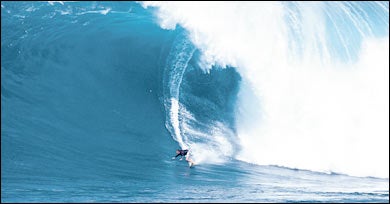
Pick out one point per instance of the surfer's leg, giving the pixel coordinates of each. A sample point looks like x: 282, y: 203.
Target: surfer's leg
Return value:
x: 190, y: 162
x: 187, y: 156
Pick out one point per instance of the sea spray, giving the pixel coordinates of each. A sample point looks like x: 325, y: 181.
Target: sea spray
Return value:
x: 320, y: 94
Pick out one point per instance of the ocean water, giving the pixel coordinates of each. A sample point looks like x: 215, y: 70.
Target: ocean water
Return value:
x: 277, y: 101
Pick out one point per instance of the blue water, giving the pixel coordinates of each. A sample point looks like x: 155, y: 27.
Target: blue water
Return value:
x: 84, y: 117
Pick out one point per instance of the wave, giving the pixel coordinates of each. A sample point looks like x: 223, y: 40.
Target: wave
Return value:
x: 300, y: 85
x: 314, y: 80
x: 96, y: 97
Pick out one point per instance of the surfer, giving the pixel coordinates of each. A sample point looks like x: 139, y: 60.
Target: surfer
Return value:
x: 180, y: 153
x: 185, y: 153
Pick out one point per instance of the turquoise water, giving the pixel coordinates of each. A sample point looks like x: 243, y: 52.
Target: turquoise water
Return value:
x: 85, y: 115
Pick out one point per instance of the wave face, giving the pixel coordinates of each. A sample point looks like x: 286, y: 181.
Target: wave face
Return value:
x: 97, y: 96
x: 80, y: 97
x: 315, y: 86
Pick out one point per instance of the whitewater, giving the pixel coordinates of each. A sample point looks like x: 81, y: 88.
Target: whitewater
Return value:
x: 276, y: 101
x: 315, y: 91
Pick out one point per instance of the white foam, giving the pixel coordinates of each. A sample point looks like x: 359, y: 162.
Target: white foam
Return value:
x: 298, y: 105
x: 208, y: 147
x: 174, y: 120
x: 52, y: 2
x: 103, y: 11
x: 326, y: 119
x: 31, y: 9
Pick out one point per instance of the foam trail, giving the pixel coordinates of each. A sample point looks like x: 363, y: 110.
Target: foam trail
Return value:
x: 177, y: 62
x: 314, y: 91
x: 214, y: 136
